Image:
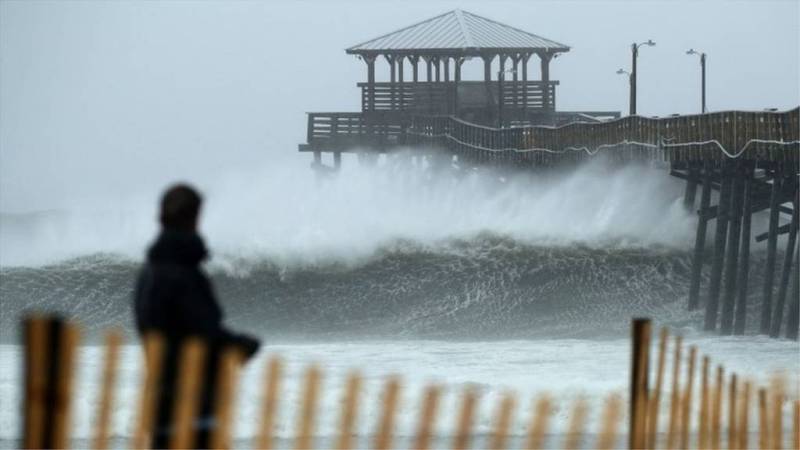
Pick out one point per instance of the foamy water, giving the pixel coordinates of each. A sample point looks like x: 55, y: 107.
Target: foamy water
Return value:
x: 565, y: 368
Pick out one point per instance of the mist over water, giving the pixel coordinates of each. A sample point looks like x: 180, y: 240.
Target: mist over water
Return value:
x: 287, y: 215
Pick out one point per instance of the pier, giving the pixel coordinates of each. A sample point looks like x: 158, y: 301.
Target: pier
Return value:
x: 734, y: 163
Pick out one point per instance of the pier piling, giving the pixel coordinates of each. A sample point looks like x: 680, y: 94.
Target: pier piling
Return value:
x: 732, y: 253
x: 744, y: 253
x: 700, y: 239
x: 777, y: 317
x: 772, y: 243
x: 720, y: 234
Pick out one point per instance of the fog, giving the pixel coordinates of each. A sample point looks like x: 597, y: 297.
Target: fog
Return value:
x: 101, y: 101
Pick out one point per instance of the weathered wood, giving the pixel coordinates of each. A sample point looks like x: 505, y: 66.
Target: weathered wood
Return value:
x: 638, y: 385
x: 691, y: 187
x: 427, y: 418
x: 720, y: 234
x: 538, y: 424
x: 732, y: 251
x: 744, y: 259
x: 700, y: 240
x: 109, y: 376
x: 655, y: 395
x: 769, y: 265
x: 783, y: 287
x: 793, y: 318
x: 269, y: 407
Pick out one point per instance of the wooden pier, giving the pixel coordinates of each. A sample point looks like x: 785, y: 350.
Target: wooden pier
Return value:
x: 750, y: 158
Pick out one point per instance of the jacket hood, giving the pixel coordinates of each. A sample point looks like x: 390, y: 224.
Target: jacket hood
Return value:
x: 177, y: 247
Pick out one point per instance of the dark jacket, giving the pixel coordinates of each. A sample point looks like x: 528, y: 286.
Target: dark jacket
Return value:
x: 173, y: 296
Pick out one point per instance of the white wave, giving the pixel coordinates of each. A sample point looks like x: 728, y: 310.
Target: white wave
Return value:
x: 289, y: 215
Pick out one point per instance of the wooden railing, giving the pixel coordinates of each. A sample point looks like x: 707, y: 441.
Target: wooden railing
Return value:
x: 50, y: 359
x: 447, y: 97
x: 771, y: 136
x: 352, y: 130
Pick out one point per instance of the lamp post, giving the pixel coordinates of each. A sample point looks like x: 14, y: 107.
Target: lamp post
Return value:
x: 692, y: 51
x: 500, y: 78
x: 634, y: 55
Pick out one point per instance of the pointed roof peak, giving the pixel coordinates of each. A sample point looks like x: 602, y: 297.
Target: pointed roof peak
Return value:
x: 457, y: 31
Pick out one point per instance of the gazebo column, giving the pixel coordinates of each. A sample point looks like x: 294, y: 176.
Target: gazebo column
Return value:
x: 429, y: 68
x: 525, y: 59
x: 370, y: 106
x: 487, y: 80
x: 400, y: 63
x: 515, y: 61
x: 545, y: 58
x: 414, y: 60
x: 392, y: 79
x: 446, y: 69
x: 438, y: 68
x: 501, y: 75
x: 457, y: 76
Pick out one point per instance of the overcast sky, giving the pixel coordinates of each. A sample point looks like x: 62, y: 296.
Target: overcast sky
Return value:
x: 108, y: 96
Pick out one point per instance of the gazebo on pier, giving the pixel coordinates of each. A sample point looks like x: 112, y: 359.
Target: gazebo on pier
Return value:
x: 425, y: 78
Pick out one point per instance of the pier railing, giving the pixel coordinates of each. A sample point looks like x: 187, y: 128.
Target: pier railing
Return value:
x: 765, y: 135
x: 50, y: 358
x: 440, y: 97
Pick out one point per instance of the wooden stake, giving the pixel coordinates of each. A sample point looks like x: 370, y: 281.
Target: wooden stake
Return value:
x: 109, y: 377
x: 702, y: 432
x: 538, y: 425
x: 576, y: 424
x: 305, y: 420
x: 763, y: 420
x: 732, y: 413
x: 716, y: 410
x: 655, y: 398
x: 686, y: 411
x: 502, y: 422
x: 464, y: 426
x: 189, y: 385
x: 269, y: 409
x: 639, y: 375
x: 427, y: 418
x: 383, y: 439
x: 153, y: 347
x: 349, y: 411
x: 230, y: 362
x: 611, y: 415
x: 744, y: 412
x: 796, y: 421
x: 777, y: 415
x: 36, y: 380
x: 674, y: 405
x: 62, y: 413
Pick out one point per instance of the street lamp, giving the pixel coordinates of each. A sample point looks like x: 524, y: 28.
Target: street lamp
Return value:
x: 500, y: 78
x: 692, y: 51
x: 634, y: 55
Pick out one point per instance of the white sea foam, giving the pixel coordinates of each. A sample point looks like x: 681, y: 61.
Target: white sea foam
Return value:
x: 287, y: 214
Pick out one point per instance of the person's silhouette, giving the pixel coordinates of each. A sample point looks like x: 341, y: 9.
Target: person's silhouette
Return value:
x: 175, y: 298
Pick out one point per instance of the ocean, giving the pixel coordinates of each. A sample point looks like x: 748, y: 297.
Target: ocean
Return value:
x: 502, y: 281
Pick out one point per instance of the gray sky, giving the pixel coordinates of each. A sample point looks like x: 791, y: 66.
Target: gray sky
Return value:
x: 111, y: 96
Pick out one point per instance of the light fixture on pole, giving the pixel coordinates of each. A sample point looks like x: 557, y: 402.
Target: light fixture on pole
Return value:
x: 692, y: 51
x: 634, y: 55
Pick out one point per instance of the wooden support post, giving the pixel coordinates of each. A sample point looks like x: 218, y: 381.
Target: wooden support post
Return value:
x: 720, y: 234
x: 638, y: 383
x: 109, y: 377
x: 383, y: 438
x: 608, y: 431
x: 229, y: 365
x: 705, y: 401
x: 686, y: 403
x: 414, y: 60
x: 783, y: 287
x: 538, y: 424
x: 716, y: 409
x: 545, y: 58
x: 427, y: 418
x: 154, y: 346
x: 189, y: 386
x: 691, y: 187
x: 36, y: 336
x: 700, y: 240
x: 575, y: 428
x: 461, y: 440
x: 744, y: 253
x: 794, y: 307
x: 349, y: 411
x: 400, y: 65
x: 732, y: 252
x: 675, y: 397
x: 317, y: 158
x: 502, y: 422
x: 655, y: 396
x: 525, y: 59
x: 269, y: 408
x: 772, y: 243
x: 308, y: 411
x: 732, y: 394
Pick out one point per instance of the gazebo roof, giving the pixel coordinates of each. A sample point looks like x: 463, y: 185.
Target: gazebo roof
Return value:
x: 457, y: 33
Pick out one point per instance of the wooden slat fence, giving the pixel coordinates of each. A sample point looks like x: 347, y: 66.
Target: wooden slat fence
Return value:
x: 728, y: 403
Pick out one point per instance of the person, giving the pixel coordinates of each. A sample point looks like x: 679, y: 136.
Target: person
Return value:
x: 174, y: 297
